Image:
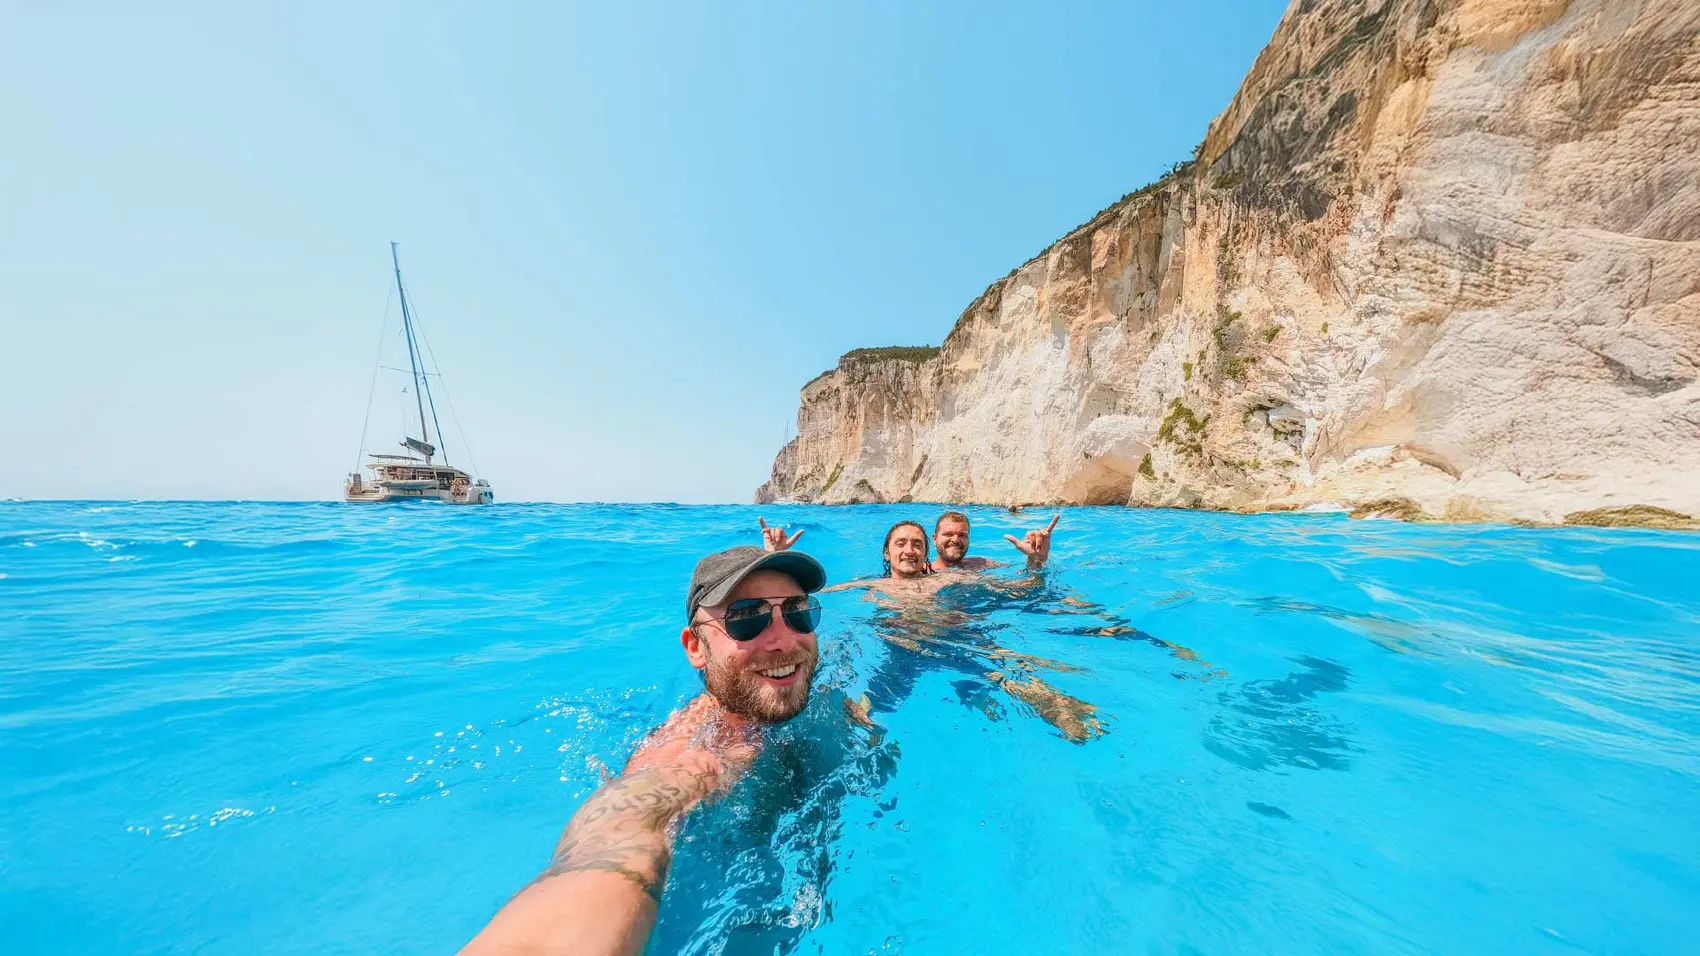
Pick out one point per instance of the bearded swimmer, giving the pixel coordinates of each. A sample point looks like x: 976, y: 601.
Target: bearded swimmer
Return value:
x: 950, y: 536
x: 750, y: 631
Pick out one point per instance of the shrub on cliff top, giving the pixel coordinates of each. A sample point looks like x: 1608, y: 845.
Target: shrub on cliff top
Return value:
x: 900, y: 353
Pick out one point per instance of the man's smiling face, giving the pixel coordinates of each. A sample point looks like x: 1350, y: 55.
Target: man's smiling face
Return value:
x: 906, y: 551
x: 951, y: 539
x: 767, y: 677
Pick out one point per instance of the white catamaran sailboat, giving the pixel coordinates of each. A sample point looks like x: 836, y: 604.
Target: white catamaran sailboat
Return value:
x: 414, y: 476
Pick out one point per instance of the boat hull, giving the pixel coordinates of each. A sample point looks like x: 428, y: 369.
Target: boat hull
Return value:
x: 387, y: 496
x: 449, y: 487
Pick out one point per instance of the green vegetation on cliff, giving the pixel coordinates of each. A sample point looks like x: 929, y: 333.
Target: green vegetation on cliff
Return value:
x: 832, y: 479
x: 895, y: 353
x: 899, y: 353
x: 1633, y: 516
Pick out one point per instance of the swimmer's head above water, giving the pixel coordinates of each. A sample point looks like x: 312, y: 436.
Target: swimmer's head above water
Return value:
x: 905, y: 550
x: 950, y: 534
x: 751, y: 630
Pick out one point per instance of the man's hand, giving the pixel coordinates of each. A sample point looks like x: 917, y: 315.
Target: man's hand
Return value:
x: 860, y: 711
x: 601, y: 891
x: 1037, y: 544
x: 773, y: 539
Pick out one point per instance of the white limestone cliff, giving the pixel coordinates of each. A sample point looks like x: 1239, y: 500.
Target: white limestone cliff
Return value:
x: 1438, y: 258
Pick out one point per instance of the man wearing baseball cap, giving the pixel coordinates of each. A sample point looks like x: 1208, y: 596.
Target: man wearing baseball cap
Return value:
x: 750, y: 630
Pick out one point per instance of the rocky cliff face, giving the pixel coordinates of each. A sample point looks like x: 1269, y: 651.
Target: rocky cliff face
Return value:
x: 1437, y: 258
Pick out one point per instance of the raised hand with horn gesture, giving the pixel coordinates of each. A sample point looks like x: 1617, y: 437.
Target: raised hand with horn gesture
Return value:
x: 774, y: 539
x: 1037, y: 544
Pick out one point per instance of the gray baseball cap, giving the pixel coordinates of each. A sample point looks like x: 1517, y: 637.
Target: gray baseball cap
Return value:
x: 720, y: 572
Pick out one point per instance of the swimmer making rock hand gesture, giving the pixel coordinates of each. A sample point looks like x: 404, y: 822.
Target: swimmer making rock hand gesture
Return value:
x: 950, y: 536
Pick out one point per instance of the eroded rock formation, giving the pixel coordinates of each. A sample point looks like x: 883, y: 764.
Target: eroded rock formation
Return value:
x: 1438, y: 258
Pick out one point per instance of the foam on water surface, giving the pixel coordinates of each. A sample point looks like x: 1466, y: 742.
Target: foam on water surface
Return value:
x: 265, y: 728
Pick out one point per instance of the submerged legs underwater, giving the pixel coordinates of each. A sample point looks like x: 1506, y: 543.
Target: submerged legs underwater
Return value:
x: 954, y: 631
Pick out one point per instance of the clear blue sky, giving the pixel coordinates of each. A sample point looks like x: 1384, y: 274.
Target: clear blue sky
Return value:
x: 633, y: 230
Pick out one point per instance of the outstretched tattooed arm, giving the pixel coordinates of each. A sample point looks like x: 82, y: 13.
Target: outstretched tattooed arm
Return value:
x: 602, y: 888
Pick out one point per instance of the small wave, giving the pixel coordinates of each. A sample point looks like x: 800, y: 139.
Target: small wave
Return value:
x: 1669, y: 750
x: 171, y: 825
x: 572, y: 739
x: 92, y: 541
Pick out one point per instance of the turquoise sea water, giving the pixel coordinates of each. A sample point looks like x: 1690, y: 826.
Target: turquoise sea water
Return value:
x: 313, y: 728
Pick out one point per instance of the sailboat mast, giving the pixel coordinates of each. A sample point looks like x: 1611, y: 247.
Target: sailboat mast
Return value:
x: 412, y: 350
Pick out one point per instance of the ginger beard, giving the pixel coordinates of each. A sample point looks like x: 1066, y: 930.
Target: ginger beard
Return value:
x: 746, y: 688
x: 952, y: 542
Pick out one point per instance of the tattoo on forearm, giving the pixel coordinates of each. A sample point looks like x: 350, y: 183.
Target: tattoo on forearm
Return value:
x: 625, y: 828
x: 651, y: 887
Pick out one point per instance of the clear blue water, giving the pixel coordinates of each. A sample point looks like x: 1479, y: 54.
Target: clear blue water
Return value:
x: 255, y: 728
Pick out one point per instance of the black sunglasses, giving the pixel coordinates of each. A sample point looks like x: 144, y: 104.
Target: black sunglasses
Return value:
x: 746, y: 619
